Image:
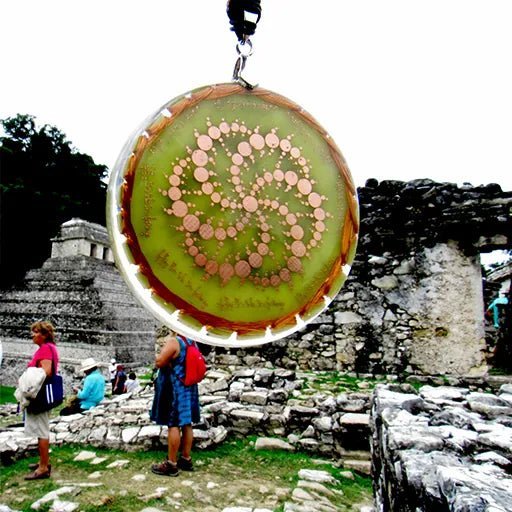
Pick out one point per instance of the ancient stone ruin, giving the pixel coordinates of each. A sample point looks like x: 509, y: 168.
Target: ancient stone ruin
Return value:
x: 413, y: 302
x: 442, y: 449
x: 78, y: 289
x: 435, y: 449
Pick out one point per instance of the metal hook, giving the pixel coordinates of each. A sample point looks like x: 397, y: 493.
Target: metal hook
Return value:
x: 244, y: 50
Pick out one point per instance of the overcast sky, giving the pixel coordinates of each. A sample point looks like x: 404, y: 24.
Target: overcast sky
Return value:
x: 408, y: 89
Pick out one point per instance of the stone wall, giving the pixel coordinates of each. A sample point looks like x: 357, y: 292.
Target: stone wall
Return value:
x: 442, y: 449
x: 413, y: 302
x: 276, y: 403
x: 427, y: 310
x: 421, y: 313
x: 438, y: 449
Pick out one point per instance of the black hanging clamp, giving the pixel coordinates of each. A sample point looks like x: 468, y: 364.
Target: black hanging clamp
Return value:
x: 244, y: 52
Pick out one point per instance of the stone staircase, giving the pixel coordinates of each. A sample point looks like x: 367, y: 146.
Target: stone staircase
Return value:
x: 90, y: 305
x: 88, y: 302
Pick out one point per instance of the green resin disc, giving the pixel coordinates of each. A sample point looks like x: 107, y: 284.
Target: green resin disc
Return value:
x: 233, y: 216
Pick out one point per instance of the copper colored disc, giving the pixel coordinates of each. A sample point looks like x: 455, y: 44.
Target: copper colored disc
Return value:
x: 201, y: 174
x: 255, y: 260
x: 250, y: 204
x: 179, y: 208
x: 242, y: 268
x: 206, y: 231
x: 191, y: 223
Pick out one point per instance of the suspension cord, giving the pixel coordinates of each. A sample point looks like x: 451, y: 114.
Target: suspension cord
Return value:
x: 243, y: 16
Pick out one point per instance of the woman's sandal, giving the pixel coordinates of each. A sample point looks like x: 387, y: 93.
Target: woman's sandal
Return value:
x: 36, y: 466
x: 38, y: 476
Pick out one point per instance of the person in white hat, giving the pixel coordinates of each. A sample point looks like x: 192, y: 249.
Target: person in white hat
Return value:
x: 93, y: 390
x: 112, y: 370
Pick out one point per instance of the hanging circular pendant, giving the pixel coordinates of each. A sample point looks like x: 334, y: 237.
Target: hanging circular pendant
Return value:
x: 233, y: 216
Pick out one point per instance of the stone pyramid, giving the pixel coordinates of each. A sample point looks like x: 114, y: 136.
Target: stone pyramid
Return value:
x: 81, y: 292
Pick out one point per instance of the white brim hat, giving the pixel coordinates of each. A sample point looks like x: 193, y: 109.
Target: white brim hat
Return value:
x: 87, y: 364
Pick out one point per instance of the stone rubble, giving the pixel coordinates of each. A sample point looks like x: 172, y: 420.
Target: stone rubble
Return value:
x: 441, y: 449
x: 262, y: 402
x: 53, y: 496
x: 412, y: 303
x: 310, y: 495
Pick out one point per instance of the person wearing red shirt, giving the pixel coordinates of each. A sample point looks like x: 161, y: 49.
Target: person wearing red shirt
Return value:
x: 38, y: 425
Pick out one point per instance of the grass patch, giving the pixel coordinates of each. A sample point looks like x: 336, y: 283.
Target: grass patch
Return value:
x: 416, y: 384
x: 356, y: 489
x: 264, y: 463
x: 233, y: 474
x: 337, y: 382
x: 7, y: 395
x: 499, y: 371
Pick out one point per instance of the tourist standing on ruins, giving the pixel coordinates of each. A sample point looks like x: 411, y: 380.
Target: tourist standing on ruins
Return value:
x: 38, y: 425
x: 497, y: 309
x: 112, y: 370
x: 174, y: 405
x: 120, y: 381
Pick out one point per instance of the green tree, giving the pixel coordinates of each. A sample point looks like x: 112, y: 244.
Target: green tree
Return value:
x: 44, y: 182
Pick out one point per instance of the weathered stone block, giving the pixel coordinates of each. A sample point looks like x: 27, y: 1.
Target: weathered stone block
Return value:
x: 254, y: 397
x: 309, y: 444
x: 270, y: 443
x: 323, y: 424
x: 385, y: 282
x: 278, y: 396
x: 149, y: 432
x: 129, y: 434
x: 249, y: 417
x: 347, y: 317
x: 357, y: 420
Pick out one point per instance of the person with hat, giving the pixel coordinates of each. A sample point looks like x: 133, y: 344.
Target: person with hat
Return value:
x: 112, y: 370
x: 92, y: 392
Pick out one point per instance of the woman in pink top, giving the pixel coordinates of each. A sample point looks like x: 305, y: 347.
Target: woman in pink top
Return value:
x: 38, y: 425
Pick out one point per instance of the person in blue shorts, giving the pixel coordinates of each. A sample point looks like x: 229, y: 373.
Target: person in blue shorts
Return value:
x: 175, y: 405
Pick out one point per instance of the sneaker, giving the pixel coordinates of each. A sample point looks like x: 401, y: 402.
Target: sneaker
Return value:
x: 165, y: 468
x: 185, y: 464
